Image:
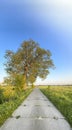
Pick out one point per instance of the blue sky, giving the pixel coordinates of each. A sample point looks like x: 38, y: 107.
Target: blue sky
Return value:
x: 48, y: 22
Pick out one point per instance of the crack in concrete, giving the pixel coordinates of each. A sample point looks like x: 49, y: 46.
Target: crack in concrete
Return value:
x: 24, y: 105
x: 37, y: 105
x: 37, y: 117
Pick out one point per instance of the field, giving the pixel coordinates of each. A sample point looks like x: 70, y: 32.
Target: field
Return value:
x: 10, y: 100
x: 61, y: 97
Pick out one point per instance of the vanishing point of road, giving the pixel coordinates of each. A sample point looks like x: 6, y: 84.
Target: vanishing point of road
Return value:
x: 36, y: 113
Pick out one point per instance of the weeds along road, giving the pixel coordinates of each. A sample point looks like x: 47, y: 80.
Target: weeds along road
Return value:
x: 36, y: 113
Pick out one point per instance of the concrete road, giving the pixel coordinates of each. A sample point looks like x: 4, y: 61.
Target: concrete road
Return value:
x: 36, y: 113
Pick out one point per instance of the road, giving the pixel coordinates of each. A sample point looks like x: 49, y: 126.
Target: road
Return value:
x: 36, y: 113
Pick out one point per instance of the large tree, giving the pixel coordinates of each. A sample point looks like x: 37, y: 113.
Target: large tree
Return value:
x: 30, y: 60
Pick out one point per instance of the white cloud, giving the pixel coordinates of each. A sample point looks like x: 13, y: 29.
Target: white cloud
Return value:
x: 58, y: 12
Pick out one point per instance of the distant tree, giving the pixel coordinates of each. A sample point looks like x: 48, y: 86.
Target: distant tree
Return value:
x: 7, y: 81
x: 30, y: 60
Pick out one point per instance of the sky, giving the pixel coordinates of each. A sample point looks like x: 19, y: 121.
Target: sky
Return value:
x: 48, y: 22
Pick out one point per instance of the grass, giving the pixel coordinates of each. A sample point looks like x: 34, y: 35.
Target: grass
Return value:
x: 7, y: 108
x: 61, y: 97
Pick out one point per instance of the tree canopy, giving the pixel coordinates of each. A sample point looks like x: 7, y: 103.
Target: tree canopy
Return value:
x: 30, y: 60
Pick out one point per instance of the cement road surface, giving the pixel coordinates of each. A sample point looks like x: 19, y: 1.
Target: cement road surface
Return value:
x: 36, y: 113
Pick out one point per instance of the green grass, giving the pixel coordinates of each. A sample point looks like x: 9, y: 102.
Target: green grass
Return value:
x: 7, y: 108
x: 61, y: 97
